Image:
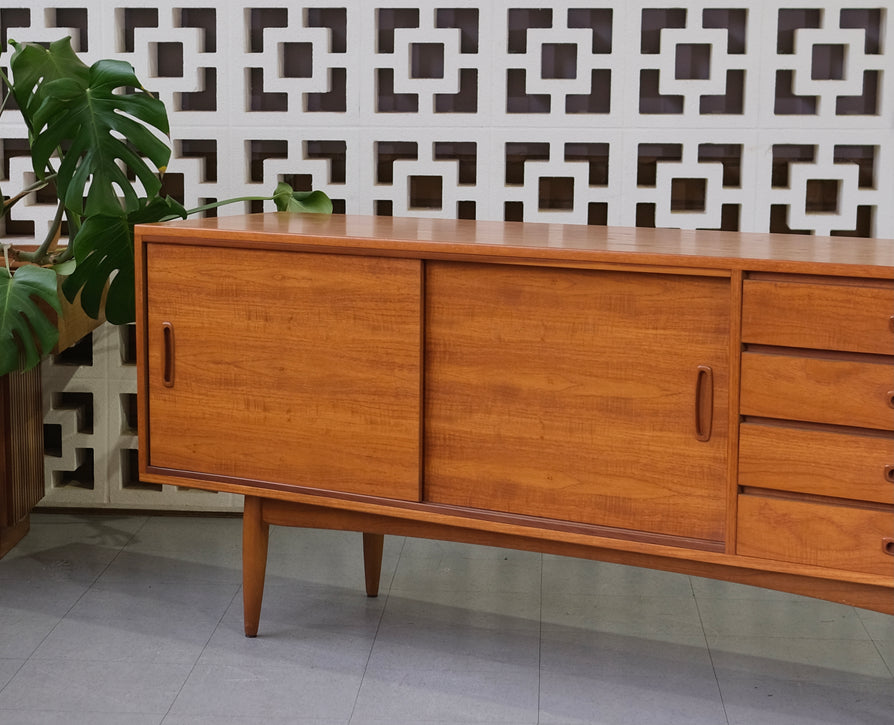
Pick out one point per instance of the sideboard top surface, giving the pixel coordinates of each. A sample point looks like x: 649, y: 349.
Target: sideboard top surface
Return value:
x: 538, y: 242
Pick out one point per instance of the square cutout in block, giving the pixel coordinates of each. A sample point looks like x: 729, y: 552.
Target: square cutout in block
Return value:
x: 427, y: 60
x: 426, y: 192
x: 688, y: 194
x: 692, y: 61
x: 827, y: 62
x: 558, y: 60
x: 822, y: 196
x: 555, y: 193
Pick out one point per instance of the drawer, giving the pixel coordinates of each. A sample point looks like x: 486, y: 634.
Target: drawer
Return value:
x: 819, y: 534
x: 818, y: 389
x: 817, y: 462
x: 818, y: 316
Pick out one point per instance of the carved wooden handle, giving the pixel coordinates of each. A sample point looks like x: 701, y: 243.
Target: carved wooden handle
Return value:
x: 167, y: 334
x: 704, y: 402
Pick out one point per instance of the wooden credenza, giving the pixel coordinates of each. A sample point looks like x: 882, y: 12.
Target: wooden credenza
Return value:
x: 711, y: 403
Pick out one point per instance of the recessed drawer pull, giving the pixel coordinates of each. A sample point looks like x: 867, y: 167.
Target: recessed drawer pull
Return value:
x: 888, y: 545
x: 889, y: 474
x: 167, y: 332
x: 704, y: 403
x: 891, y: 398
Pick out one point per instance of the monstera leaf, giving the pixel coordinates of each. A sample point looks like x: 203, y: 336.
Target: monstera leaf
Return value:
x: 103, y: 248
x: 25, y: 331
x: 104, y: 136
x: 311, y: 202
x: 32, y: 66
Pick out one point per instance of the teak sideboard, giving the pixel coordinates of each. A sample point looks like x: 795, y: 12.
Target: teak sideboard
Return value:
x: 711, y: 403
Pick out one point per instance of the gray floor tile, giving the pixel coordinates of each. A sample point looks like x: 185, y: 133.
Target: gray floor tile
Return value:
x: 362, y: 719
x: 448, y: 647
x: 481, y: 609
x: 505, y: 695
x: 675, y: 698
x: 49, y: 531
x: 44, y: 717
x: 268, y: 691
x: 8, y: 667
x: 67, y: 548
x: 319, y: 631
x: 476, y: 569
x: 454, y: 550
x: 879, y: 626
x: 585, y: 653
x: 190, y: 538
x: 327, y: 558
x: 302, y: 603
x: 76, y: 562
x: 293, y: 719
x: 804, y: 617
x: 886, y: 650
x: 105, y: 620
x: 798, y: 658
x: 123, y: 688
x: 582, y: 576
x: 717, y: 589
x: 175, y: 548
x: 622, y: 614
x: 139, y: 621
x: 349, y: 577
x: 161, y: 567
x: 30, y: 608
x: 757, y: 700
x: 347, y: 650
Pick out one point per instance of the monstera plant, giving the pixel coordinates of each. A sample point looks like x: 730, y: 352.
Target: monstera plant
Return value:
x: 101, y: 143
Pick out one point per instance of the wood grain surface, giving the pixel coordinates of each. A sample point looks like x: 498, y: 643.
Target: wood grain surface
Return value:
x: 571, y: 395
x: 296, y: 368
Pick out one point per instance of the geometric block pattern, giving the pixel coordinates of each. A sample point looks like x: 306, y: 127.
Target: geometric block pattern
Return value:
x: 771, y: 116
x: 90, y: 431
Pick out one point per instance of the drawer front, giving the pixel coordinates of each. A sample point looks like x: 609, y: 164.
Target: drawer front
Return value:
x: 819, y: 390
x: 817, y: 462
x: 818, y: 316
x: 804, y: 532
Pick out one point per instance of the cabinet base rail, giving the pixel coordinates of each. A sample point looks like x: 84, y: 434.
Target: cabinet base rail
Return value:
x: 260, y: 513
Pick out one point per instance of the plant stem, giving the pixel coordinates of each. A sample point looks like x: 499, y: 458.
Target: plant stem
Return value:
x: 216, y: 204
x: 36, y: 186
x: 8, y: 84
x: 39, y: 255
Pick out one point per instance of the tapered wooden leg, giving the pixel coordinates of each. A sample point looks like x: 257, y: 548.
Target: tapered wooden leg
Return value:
x: 255, y: 534
x: 372, y: 562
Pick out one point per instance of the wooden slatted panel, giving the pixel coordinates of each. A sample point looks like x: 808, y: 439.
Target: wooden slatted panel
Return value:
x: 21, y: 452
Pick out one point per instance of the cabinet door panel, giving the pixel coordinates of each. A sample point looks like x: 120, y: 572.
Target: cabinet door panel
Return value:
x: 286, y: 367
x: 571, y: 395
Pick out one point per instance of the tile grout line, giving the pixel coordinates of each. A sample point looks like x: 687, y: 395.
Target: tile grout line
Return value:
x: 84, y: 593
x: 710, y: 653
x: 378, y: 625
x: 199, y: 656
x: 872, y: 639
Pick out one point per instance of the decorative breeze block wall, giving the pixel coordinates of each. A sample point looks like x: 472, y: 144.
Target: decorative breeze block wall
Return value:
x: 770, y: 116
